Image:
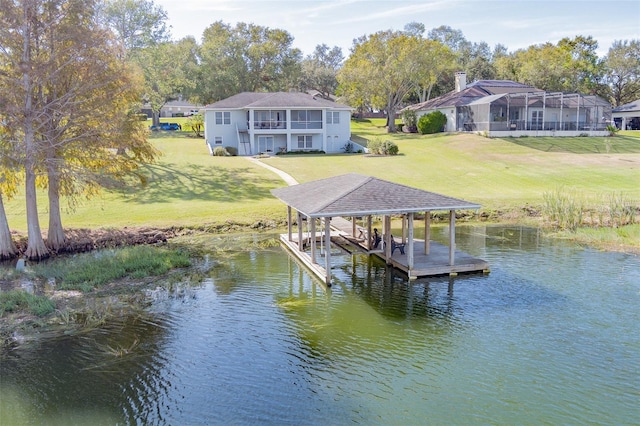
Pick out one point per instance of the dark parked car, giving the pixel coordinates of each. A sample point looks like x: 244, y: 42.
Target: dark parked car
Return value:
x: 167, y: 126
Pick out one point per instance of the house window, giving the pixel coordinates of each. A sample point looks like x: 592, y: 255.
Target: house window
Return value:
x: 305, y: 142
x: 223, y: 117
x: 217, y: 140
x: 303, y: 116
x: 333, y: 117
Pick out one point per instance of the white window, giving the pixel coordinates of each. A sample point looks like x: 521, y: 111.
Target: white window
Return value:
x: 333, y: 117
x: 217, y: 140
x: 223, y: 117
x: 305, y: 142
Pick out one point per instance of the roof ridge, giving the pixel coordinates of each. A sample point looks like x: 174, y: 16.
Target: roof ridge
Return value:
x: 349, y: 191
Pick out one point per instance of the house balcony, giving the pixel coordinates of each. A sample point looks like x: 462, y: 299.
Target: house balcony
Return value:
x: 269, y: 125
x: 306, y: 125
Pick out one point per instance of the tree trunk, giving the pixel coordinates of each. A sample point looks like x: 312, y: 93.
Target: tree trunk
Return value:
x: 391, y: 120
x: 36, y: 248
x: 7, y: 247
x: 55, y: 236
x: 156, y: 118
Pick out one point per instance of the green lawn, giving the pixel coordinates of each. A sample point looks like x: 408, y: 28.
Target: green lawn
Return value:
x: 187, y: 186
x: 497, y: 173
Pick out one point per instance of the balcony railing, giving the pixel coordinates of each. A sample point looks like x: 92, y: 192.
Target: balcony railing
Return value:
x: 303, y: 125
x: 269, y: 124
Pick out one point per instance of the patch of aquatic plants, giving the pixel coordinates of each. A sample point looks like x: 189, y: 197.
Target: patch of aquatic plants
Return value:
x: 86, y: 272
x: 20, y: 300
x: 568, y: 209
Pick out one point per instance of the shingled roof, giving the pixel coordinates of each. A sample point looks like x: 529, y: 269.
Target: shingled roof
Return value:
x: 472, y: 93
x: 275, y: 100
x: 358, y: 195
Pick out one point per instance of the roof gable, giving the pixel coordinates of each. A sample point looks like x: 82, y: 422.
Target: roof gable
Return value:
x: 354, y: 195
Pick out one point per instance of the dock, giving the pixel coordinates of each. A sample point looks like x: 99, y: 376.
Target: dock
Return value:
x: 436, y: 263
x: 324, y: 205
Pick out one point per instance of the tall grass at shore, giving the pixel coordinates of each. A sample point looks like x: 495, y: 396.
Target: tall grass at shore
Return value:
x: 568, y: 209
x: 19, y: 300
x: 88, y: 271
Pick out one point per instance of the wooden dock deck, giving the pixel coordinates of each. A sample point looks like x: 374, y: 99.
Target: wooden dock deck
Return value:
x: 436, y: 263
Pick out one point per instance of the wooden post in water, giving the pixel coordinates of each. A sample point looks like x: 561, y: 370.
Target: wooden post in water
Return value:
x: 369, y: 230
x: 387, y: 237
x: 452, y: 237
x: 327, y: 249
x: 410, y: 242
x: 427, y: 232
x: 289, y: 224
x: 300, y: 240
x: 353, y: 226
x: 313, y: 239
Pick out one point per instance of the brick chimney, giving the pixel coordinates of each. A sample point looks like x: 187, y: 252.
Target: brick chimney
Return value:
x: 461, y: 81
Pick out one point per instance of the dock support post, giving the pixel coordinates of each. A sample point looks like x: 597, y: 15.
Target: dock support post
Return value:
x: 300, y: 240
x: 289, y: 224
x: 387, y: 238
x: 353, y: 226
x: 410, y: 242
x: 327, y: 251
x: 427, y: 232
x: 313, y: 239
x: 369, y: 230
x: 452, y: 237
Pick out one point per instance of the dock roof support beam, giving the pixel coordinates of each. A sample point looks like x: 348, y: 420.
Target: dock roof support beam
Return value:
x: 312, y: 239
x: 427, y: 232
x: 300, y: 239
x: 452, y: 237
x: 327, y: 250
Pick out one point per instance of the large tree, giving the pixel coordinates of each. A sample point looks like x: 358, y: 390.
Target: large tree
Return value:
x: 380, y: 71
x: 246, y: 57
x: 622, y: 71
x: 8, y: 187
x: 137, y: 23
x: 22, y: 24
x: 320, y: 70
x: 70, y: 108
x: 169, y: 71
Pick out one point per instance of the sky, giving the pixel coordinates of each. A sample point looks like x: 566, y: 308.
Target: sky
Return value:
x: 515, y: 24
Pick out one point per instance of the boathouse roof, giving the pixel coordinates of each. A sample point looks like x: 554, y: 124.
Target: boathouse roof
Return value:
x: 359, y: 195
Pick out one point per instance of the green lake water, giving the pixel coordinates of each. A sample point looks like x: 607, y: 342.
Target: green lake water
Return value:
x: 550, y: 336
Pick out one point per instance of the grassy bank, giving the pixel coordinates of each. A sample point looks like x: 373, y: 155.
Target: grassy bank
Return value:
x: 188, y: 187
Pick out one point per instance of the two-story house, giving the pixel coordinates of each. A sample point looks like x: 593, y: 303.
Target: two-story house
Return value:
x: 256, y: 123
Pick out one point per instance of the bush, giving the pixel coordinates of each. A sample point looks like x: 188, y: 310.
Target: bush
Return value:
x: 231, y: 150
x: 432, y: 123
x: 219, y: 151
x: 612, y: 130
x: 380, y: 147
x: 409, y: 120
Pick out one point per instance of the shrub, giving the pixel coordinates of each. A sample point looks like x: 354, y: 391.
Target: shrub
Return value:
x: 409, y: 120
x: 612, y: 130
x: 232, y: 150
x: 432, y: 123
x: 219, y: 151
x: 381, y: 147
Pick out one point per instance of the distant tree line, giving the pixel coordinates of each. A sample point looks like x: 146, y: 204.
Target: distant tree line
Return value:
x: 74, y: 72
